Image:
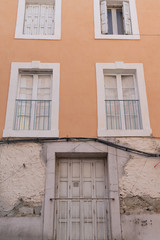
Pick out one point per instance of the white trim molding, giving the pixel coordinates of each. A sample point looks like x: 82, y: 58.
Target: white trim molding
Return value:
x: 134, y: 23
x: 20, y: 22
x: 137, y: 69
x: 9, y: 130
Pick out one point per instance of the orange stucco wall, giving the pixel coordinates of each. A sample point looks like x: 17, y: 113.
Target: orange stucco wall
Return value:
x: 78, y: 52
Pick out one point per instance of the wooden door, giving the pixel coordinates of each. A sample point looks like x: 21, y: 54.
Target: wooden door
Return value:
x: 81, y: 204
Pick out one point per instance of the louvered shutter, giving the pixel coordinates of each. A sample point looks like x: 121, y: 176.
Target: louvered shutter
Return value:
x: 50, y: 20
x: 35, y: 19
x: 28, y: 20
x: 31, y: 24
x: 43, y: 19
x: 104, y: 17
x: 127, y: 19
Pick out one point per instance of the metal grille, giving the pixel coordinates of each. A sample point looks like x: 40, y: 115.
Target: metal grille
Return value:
x: 81, y: 219
x: 32, y: 114
x: 123, y: 114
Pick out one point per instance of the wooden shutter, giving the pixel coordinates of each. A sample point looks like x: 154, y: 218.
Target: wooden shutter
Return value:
x: 47, y: 20
x: 43, y: 19
x: 127, y: 19
x: 35, y: 19
x: 104, y: 17
x: 50, y: 20
x: 31, y: 24
x: 28, y: 20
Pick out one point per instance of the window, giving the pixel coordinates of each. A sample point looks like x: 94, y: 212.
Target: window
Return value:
x: 115, y: 19
x: 122, y: 102
x: 38, y: 19
x: 33, y: 100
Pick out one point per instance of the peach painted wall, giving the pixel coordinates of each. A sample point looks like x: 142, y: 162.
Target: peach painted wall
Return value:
x: 78, y: 52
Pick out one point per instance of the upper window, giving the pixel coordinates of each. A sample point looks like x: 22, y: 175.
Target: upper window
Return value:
x: 115, y: 19
x: 33, y: 100
x: 39, y: 19
x: 122, y: 102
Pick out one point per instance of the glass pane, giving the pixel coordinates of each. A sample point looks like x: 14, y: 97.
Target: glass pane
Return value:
x: 128, y: 87
x: 120, y: 21
x: 110, y: 85
x: 42, y: 121
x: 132, y: 114
x: 113, y: 114
x: 44, y: 87
x: 23, y: 115
x: 25, y: 87
x: 110, y: 26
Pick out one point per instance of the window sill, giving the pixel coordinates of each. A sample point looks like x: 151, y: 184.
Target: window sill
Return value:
x: 48, y: 37
x: 30, y: 133
x: 103, y: 36
x: 124, y: 133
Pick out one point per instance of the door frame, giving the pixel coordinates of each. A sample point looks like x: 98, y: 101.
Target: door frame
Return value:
x: 80, y: 150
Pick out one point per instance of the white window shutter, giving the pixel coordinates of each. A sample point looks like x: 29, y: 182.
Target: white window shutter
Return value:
x: 31, y: 24
x: 35, y: 20
x: 28, y: 19
x: 127, y: 19
x: 50, y: 20
x: 43, y: 19
x: 47, y: 20
x: 104, y: 17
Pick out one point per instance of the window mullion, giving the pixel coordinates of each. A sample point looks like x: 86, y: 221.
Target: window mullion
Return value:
x: 34, y: 102
x: 114, y: 21
x: 120, y: 97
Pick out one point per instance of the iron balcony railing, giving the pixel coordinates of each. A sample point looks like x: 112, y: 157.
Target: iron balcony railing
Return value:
x: 123, y: 114
x: 81, y: 218
x: 32, y: 114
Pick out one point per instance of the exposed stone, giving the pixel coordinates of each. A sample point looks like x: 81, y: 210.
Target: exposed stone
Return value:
x: 138, y: 205
x: 25, y: 211
x: 22, y: 176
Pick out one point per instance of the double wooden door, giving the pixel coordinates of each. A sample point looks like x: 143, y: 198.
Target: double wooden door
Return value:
x: 81, y: 203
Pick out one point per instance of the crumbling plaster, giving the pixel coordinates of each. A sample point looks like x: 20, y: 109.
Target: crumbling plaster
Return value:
x: 22, y: 176
x: 139, y: 185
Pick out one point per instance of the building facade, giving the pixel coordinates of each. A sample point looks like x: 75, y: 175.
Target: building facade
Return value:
x: 79, y: 123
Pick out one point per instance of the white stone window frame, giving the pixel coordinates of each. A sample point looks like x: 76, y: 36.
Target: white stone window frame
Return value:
x: 137, y: 68
x: 20, y: 23
x: 13, y: 87
x: 134, y: 23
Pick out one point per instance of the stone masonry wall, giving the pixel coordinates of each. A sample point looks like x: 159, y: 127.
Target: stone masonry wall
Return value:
x: 22, y: 179
x: 140, y: 182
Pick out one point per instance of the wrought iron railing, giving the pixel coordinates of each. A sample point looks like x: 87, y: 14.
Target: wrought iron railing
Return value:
x: 32, y: 114
x: 81, y: 218
x: 123, y: 114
